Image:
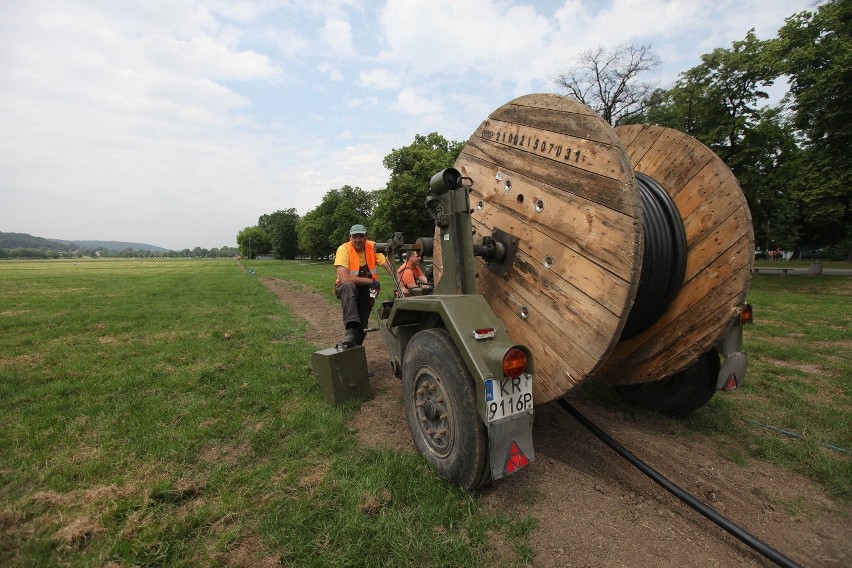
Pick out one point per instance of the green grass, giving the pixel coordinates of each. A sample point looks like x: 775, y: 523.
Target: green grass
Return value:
x: 317, y: 275
x: 802, y: 263
x: 800, y: 377
x: 163, y: 412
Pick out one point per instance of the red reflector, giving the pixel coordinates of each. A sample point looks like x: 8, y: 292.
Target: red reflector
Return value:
x: 484, y: 333
x: 514, y: 363
x: 731, y: 383
x: 746, y: 315
x: 516, y: 460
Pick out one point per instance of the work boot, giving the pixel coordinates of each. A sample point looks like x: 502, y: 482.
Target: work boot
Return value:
x: 350, y: 338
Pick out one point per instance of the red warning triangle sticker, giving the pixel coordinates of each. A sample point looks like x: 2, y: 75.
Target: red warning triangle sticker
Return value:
x: 516, y: 460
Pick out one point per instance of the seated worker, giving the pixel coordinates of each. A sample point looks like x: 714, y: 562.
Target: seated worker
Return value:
x: 356, y: 262
x: 410, y: 275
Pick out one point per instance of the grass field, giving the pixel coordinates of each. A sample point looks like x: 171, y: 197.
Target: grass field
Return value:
x: 163, y: 412
x: 160, y: 412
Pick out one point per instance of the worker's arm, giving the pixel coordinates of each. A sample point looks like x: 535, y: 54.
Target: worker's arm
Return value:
x: 400, y: 277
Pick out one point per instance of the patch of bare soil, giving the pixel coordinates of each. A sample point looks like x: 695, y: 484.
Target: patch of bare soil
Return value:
x: 593, y: 508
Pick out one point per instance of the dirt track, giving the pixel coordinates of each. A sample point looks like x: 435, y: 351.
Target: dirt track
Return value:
x: 593, y: 508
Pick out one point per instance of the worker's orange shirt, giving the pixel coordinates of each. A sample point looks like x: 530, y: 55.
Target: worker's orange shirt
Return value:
x: 408, y: 275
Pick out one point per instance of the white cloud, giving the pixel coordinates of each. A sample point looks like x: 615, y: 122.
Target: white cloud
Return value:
x: 429, y: 38
x: 362, y: 103
x: 379, y: 78
x: 290, y: 43
x: 330, y: 71
x: 205, y: 56
x: 336, y: 34
x: 410, y: 101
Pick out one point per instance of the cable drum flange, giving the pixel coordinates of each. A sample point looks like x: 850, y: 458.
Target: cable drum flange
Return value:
x: 719, y: 255
x: 664, y: 258
x: 552, y: 175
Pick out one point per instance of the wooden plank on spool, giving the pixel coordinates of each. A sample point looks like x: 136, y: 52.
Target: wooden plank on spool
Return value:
x: 668, y: 156
x: 687, y: 343
x: 542, y: 119
x: 561, y: 306
x: 580, y: 274
x: 587, y: 155
x: 572, y: 204
x: 720, y: 255
x: 718, y: 206
x: 641, y: 138
x: 595, y: 234
x: 657, y: 158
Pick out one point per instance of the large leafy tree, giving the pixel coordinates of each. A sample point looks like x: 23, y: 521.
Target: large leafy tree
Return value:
x: 251, y: 242
x: 281, y: 229
x: 608, y: 80
x: 401, y: 204
x: 721, y: 99
x: 325, y: 227
x: 815, y: 49
x: 721, y: 102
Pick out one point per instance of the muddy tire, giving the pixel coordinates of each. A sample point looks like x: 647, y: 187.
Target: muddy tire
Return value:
x: 440, y: 406
x: 682, y: 393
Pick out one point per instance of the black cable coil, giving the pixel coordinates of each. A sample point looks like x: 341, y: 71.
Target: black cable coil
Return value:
x: 663, y: 260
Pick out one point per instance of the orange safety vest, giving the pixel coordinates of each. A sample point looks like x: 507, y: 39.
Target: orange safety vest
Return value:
x: 355, y: 259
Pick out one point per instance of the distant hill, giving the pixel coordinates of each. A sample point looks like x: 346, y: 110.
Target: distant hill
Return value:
x: 23, y: 240
x: 115, y: 245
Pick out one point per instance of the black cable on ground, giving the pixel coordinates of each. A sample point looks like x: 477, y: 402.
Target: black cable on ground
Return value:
x: 708, y: 512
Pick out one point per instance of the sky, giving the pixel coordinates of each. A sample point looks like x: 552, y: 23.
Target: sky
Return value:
x: 177, y: 123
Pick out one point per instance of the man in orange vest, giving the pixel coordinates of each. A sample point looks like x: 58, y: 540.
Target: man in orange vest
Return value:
x: 410, y: 276
x: 356, y: 262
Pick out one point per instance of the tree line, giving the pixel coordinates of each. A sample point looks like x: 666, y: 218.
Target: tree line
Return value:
x: 791, y: 158
x: 102, y: 252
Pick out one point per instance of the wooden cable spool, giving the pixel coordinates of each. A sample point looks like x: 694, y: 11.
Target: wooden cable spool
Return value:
x: 720, y: 255
x: 551, y: 173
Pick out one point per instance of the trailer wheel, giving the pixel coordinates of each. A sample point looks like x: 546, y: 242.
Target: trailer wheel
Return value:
x: 440, y: 406
x: 680, y: 394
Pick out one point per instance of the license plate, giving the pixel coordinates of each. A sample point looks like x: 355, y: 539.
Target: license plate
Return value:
x: 507, y: 397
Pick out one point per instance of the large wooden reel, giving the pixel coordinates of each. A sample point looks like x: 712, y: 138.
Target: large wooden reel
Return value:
x: 551, y: 173
x: 720, y: 253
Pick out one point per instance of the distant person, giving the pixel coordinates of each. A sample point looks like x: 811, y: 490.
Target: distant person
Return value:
x: 356, y: 261
x: 411, y: 276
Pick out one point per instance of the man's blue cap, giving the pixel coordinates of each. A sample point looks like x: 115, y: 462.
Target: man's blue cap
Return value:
x: 358, y: 230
